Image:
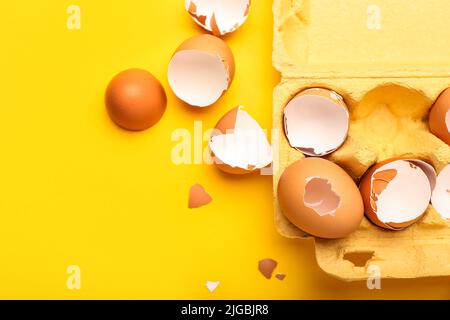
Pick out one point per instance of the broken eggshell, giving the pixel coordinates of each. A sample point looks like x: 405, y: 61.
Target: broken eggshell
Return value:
x: 441, y: 194
x: 201, y: 70
x: 198, y: 197
x: 212, y: 285
x: 266, y: 267
x: 280, y: 276
x: 320, y: 198
x: 397, y: 192
x: 239, y: 144
x: 316, y: 121
x: 439, y: 119
x: 219, y: 16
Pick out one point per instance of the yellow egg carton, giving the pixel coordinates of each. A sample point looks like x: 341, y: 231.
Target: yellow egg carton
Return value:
x: 390, y: 60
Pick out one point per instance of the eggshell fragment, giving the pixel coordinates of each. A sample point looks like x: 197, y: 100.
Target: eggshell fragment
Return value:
x: 135, y: 100
x: 198, y: 197
x: 201, y: 70
x: 266, y: 267
x: 441, y: 194
x: 316, y: 121
x: 320, y: 198
x: 439, y: 119
x: 396, y: 193
x: 280, y: 276
x: 219, y: 16
x: 212, y: 285
x: 239, y: 145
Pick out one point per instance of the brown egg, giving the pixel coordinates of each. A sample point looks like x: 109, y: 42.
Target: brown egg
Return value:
x: 135, y: 100
x: 239, y: 145
x: 397, y: 192
x: 201, y: 70
x: 440, y: 117
x: 320, y: 198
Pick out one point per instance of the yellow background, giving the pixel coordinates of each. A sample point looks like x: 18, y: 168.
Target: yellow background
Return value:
x: 77, y: 190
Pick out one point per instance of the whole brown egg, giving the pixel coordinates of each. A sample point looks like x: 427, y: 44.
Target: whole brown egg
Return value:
x: 135, y: 100
x: 320, y: 198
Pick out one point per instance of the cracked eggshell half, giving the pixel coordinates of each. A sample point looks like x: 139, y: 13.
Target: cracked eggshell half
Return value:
x: 397, y: 192
x: 201, y: 70
x: 439, y: 119
x: 239, y: 145
x: 316, y: 121
x: 441, y: 194
x: 219, y: 16
x: 320, y: 198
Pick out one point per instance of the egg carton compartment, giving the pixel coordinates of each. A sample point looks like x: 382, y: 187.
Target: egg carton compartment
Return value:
x: 361, y: 38
x: 388, y: 119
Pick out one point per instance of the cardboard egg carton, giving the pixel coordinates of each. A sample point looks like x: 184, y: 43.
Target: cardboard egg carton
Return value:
x: 390, y: 62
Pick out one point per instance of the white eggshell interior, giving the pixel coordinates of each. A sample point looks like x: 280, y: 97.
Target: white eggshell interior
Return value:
x: 441, y: 194
x: 229, y: 14
x: 315, y: 125
x: 406, y: 197
x: 428, y: 169
x: 447, y: 120
x: 244, y: 147
x: 198, y: 78
x: 320, y: 197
